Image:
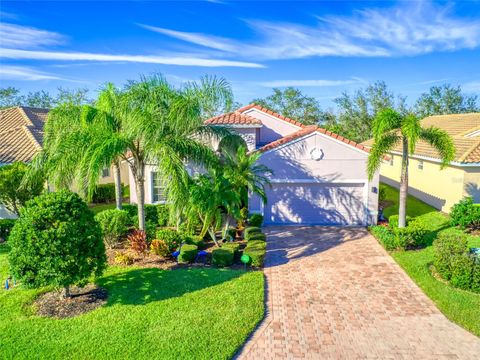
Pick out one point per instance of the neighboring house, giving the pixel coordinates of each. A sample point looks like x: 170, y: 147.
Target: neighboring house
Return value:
x: 21, y: 137
x: 441, y: 188
x: 319, y: 177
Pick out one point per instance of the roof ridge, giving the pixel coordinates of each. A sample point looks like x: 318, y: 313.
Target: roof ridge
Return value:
x: 469, y: 151
x: 31, y: 137
x: 270, y: 112
x: 25, y: 116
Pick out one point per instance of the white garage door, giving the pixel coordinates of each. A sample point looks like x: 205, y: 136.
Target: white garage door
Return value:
x: 315, y: 204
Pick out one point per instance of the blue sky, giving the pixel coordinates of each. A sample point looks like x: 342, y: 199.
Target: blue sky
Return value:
x: 322, y: 47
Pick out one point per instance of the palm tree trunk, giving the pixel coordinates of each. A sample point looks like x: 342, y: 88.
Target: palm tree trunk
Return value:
x: 118, y: 185
x: 140, y: 189
x: 402, y: 207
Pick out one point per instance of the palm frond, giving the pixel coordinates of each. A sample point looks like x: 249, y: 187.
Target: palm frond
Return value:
x: 379, y: 150
x: 441, y: 141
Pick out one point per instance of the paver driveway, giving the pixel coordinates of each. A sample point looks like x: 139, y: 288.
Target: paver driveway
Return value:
x: 335, y: 293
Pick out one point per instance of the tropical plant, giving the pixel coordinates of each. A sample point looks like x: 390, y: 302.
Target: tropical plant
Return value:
x: 391, y: 128
x: 12, y: 195
x: 148, y: 122
x: 56, y: 241
x: 245, y: 174
x: 114, y: 225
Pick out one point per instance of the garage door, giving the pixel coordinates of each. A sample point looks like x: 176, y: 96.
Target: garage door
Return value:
x: 315, y: 204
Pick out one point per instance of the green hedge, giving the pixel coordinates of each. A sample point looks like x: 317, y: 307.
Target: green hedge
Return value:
x: 410, y: 237
x: 6, y: 226
x: 223, y: 257
x: 257, y: 236
x: 255, y: 220
x: 385, y: 236
x: 235, y: 247
x: 104, y: 193
x: 194, y: 240
x: 114, y: 225
x: 256, y: 250
x: 465, y: 214
x: 454, y: 262
x: 171, y: 237
x: 249, y: 231
x: 157, y: 214
x: 188, y: 253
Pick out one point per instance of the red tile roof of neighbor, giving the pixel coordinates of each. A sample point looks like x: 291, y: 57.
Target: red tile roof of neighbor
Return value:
x: 233, y: 118
x: 270, y: 112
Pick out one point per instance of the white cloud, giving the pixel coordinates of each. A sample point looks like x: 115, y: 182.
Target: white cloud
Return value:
x: 310, y: 83
x: 150, y: 59
x: 19, y: 36
x: 472, y: 87
x: 406, y: 29
x: 8, y: 72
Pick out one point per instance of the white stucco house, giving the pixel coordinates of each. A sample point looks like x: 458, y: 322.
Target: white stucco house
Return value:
x: 319, y: 178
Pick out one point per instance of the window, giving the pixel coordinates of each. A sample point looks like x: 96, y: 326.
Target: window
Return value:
x: 105, y: 172
x: 420, y: 165
x: 158, y: 190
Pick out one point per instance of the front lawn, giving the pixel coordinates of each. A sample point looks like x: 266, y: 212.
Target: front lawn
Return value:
x: 196, y: 313
x: 415, y: 207
x: 462, y: 307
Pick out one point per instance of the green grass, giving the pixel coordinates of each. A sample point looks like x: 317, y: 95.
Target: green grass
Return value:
x: 102, y: 207
x: 198, y: 313
x: 415, y: 207
x: 462, y: 307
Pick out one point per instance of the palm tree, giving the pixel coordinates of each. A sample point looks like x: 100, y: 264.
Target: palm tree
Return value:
x: 391, y: 128
x: 149, y: 122
x: 245, y: 174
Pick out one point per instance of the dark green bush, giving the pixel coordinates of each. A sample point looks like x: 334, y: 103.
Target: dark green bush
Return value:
x: 462, y: 271
x: 385, y: 236
x: 251, y: 230
x: 223, y: 257
x: 188, y: 253
x: 114, y: 225
x: 171, y: 237
x: 163, y: 215
x: 155, y: 214
x: 6, y: 226
x: 257, y: 236
x: 412, y: 236
x: 56, y: 241
x: 194, y: 240
x: 255, y: 220
x: 104, y: 193
x: 151, y: 213
x: 393, y: 221
x: 476, y: 276
x: 382, y: 192
x: 445, y: 248
x: 235, y: 247
x: 150, y: 230
x: 465, y: 214
x: 256, y: 250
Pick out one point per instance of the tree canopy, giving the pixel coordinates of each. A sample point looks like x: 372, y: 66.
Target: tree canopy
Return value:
x: 11, y: 96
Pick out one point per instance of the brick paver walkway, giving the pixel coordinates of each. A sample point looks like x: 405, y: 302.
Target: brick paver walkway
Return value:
x: 334, y: 293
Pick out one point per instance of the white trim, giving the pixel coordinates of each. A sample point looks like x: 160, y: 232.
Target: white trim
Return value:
x: 365, y: 202
x: 287, y: 143
x: 438, y: 161
x: 472, y: 134
x: 270, y: 116
x: 239, y: 126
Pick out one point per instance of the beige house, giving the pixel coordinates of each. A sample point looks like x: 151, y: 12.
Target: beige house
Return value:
x: 21, y: 137
x: 441, y: 188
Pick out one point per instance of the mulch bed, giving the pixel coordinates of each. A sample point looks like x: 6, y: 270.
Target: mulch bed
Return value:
x: 82, y: 300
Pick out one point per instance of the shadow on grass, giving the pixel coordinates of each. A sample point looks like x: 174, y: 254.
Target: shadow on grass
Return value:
x: 142, y: 286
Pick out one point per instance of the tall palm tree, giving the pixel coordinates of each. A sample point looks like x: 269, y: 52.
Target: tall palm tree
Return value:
x: 149, y: 122
x: 391, y: 128
x: 246, y: 174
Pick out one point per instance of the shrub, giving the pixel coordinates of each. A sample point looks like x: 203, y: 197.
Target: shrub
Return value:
x: 163, y: 215
x: 104, y: 193
x: 138, y: 241
x: 171, y: 238
x: 235, y: 247
x: 131, y: 209
x: 465, y: 214
x: 223, y: 257
x: 255, y: 220
x: 385, y: 236
x: 476, y: 276
x: 462, y: 271
x: 6, y: 226
x: 150, y: 230
x: 257, y: 236
x: 159, y: 247
x: 256, y: 250
x: 393, y: 221
x: 251, y: 230
x: 382, y: 192
x: 412, y: 236
x: 56, y: 241
x: 194, y: 240
x: 188, y: 253
x: 445, y: 248
x: 123, y: 258
x: 113, y: 224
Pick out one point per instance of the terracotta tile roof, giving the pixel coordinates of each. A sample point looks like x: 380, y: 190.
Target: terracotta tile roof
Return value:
x: 21, y: 133
x: 308, y: 129
x: 457, y: 126
x: 270, y: 112
x: 233, y: 118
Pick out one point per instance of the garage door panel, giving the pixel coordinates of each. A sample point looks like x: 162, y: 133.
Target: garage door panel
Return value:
x: 315, y: 204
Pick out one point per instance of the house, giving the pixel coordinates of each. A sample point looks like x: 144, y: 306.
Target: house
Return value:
x: 21, y: 137
x: 441, y: 188
x: 319, y: 177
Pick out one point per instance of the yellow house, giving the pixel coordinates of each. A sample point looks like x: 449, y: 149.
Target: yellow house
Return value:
x: 427, y: 182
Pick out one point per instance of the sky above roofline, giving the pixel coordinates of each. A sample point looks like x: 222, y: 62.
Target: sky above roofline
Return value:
x: 324, y: 48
